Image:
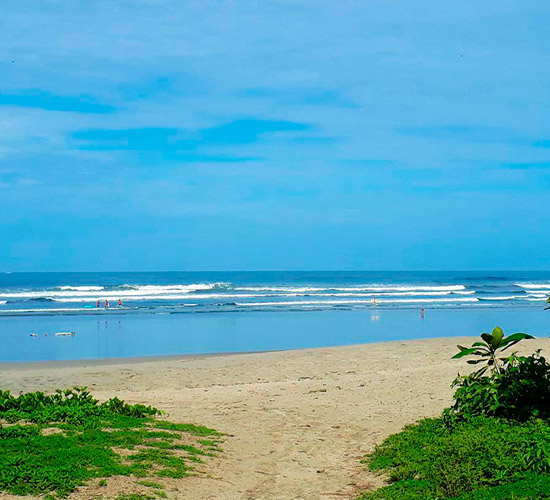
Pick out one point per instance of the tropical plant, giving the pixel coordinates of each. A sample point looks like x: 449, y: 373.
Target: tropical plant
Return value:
x: 519, y: 391
x: 488, y: 351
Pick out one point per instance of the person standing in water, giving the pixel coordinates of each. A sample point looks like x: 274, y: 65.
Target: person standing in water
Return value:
x: 422, y: 312
x: 98, y: 303
x: 106, y: 304
x: 119, y: 302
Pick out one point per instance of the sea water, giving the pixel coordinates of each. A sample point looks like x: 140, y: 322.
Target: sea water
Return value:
x: 193, y: 313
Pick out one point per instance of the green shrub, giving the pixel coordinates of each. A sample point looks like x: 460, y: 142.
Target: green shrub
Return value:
x: 513, y: 387
x: 482, y: 458
x: 72, y: 405
x: 520, y: 390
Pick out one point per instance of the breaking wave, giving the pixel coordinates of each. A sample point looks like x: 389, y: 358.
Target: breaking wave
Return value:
x: 203, y: 296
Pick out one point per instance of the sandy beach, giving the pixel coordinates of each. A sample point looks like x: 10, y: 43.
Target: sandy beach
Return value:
x: 297, y: 422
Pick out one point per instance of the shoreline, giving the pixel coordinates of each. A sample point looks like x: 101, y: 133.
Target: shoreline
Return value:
x: 90, y: 362
x: 93, y: 362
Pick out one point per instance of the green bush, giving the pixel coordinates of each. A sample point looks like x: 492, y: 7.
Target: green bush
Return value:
x: 520, y: 390
x: 481, y: 458
x: 72, y: 405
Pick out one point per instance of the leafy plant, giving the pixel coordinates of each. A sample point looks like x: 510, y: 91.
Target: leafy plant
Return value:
x: 519, y: 391
x: 72, y: 406
x: 483, y: 458
x: 488, y: 351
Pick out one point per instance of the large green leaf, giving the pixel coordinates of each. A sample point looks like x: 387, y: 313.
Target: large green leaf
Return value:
x: 465, y: 352
x: 513, y: 340
x: 516, y: 337
x: 488, y: 338
x: 497, y: 335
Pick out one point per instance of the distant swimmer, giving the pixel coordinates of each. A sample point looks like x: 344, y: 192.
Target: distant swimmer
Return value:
x: 119, y: 302
x: 106, y: 303
x: 34, y: 334
x: 98, y: 303
x: 422, y: 312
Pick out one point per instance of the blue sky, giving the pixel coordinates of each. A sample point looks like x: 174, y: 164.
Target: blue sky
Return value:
x: 379, y: 134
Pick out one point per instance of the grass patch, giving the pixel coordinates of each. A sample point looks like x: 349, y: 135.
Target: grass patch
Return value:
x: 51, y: 444
x: 479, y: 459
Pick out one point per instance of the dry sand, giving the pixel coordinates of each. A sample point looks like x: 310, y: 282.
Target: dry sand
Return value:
x: 298, y: 422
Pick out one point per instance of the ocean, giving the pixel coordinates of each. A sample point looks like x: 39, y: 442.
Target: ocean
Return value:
x: 165, y: 313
